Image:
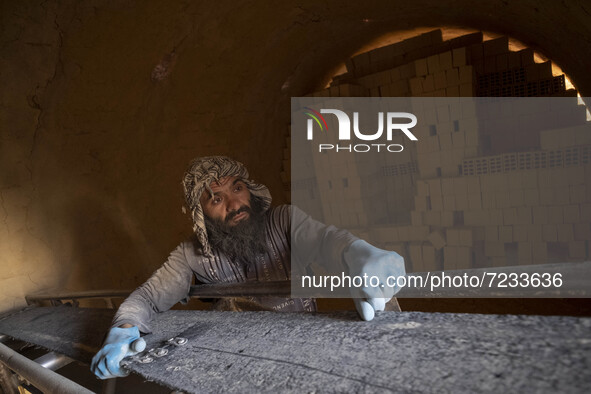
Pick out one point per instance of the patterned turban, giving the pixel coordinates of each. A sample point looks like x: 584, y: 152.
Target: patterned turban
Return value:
x: 200, y: 174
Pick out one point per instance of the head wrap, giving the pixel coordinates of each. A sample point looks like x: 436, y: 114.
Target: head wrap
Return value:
x: 201, y: 173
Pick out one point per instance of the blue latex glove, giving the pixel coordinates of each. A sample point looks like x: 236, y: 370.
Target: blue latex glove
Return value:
x: 120, y: 343
x: 363, y: 258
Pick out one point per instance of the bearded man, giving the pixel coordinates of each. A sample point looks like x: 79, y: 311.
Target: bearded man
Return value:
x: 238, y: 237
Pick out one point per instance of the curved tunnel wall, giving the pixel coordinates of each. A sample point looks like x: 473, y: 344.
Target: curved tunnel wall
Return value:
x: 104, y: 104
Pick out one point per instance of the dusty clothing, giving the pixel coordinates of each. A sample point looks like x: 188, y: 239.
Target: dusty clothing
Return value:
x: 313, y: 241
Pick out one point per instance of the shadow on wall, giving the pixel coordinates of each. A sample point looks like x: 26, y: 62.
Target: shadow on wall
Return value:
x: 108, y: 248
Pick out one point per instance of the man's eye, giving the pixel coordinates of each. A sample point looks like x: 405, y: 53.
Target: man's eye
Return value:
x: 216, y: 200
x: 238, y: 188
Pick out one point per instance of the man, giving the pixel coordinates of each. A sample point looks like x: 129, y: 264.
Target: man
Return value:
x: 239, y: 238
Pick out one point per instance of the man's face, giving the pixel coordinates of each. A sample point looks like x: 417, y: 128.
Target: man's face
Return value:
x: 230, y: 202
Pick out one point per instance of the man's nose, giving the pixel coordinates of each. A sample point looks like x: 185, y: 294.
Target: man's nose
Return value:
x: 233, y: 204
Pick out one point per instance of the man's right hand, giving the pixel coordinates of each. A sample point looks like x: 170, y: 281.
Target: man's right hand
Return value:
x: 120, y: 343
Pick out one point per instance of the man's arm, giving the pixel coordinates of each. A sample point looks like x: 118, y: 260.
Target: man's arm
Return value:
x: 315, y: 241
x: 167, y: 286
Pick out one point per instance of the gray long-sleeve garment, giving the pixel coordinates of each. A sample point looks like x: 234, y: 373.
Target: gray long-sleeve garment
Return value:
x: 313, y: 241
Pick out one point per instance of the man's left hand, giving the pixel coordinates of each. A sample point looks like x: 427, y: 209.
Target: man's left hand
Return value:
x: 365, y: 259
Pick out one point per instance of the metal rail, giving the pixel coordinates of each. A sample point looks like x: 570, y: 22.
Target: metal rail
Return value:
x: 40, y: 377
x: 53, y: 361
x: 248, y: 289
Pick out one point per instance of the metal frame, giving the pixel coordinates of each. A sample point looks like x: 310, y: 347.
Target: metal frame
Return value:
x: 42, y: 378
x: 248, y: 289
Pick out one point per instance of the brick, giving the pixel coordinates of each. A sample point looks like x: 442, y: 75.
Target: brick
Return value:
x: 447, y: 187
x: 520, y: 233
x: 466, y: 90
x: 422, y: 188
x: 452, y: 77
x: 421, y: 68
x: 407, y: 71
x: 516, y: 198
x: 395, y: 74
x: 539, y: 252
x: 565, y: 232
x: 452, y: 91
x: 459, y: 139
x: 452, y: 237
x: 436, y: 202
x: 509, y: 216
x: 416, y: 255
x: 496, y: 261
x: 445, y: 60
x: 474, y: 201
x: 447, y: 219
x: 527, y: 57
x: 572, y: 214
x: 513, y: 60
x: 440, y: 80
x: 555, y: 215
x: 524, y: 253
x: 418, y: 233
x: 495, y: 46
x: 459, y: 57
x: 459, y: 185
x: 582, y: 231
x: 437, y: 240
x: 445, y: 142
x: 524, y: 215
x: 502, y: 61
x: 488, y: 201
x: 491, y: 233
x: 461, y: 202
x: 540, y: 215
x: 465, y: 236
x: 416, y: 218
x: 531, y: 197
x: 450, y: 258
x: 586, y: 212
x: 577, y: 250
x: 494, y: 249
x: 534, y: 233
x: 434, y: 187
x: 549, y: 233
x: 473, y: 184
x: 464, y: 256
x: 496, y: 216
x: 546, y: 196
x: 478, y: 234
x: 432, y: 218
x: 475, y: 52
x: 416, y: 86
x: 506, y: 233
x: 428, y: 83
x: 428, y: 255
x: 466, y: 75
x: 433, y: 64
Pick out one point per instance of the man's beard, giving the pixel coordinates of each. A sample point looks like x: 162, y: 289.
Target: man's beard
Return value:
x: 246, y: 239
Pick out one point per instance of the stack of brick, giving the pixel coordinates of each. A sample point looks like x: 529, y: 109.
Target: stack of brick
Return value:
x: 449, y: 134
x: 504, y: 73
x: 342, y: 90
x: 544, y: 214
x: 443, y: 75
x: 460, y: 209
x: 506, y: 125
